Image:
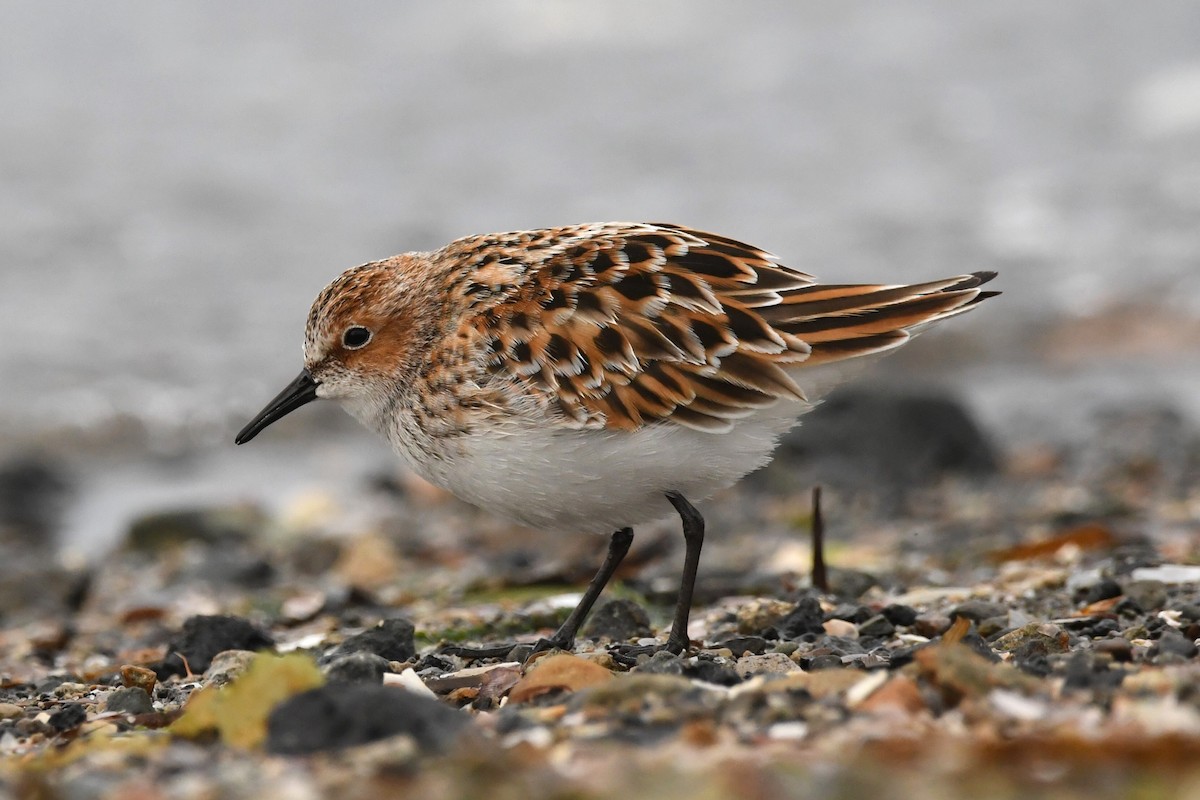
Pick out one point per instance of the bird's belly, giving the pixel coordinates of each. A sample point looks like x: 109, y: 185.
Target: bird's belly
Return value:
x: 598, y: 481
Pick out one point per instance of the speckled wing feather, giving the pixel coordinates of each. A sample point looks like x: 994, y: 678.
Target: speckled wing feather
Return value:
x: 622, y: 325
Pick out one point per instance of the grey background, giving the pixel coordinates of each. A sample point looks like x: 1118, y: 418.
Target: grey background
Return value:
x: 178, y: 180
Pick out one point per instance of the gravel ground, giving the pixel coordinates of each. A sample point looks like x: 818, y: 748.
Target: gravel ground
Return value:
x: 1000, y: 623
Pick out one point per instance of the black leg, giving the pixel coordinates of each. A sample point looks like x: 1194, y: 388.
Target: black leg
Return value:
x: 693, y: 537
x: 564, y: 637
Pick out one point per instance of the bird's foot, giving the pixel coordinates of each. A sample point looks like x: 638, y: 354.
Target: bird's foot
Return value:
x: 513, y: 651
x: 629, y: 655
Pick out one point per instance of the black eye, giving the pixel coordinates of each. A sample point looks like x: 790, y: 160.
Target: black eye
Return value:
x: 356, y: 336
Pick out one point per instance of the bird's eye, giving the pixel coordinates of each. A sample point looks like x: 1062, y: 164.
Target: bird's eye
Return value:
x: 356, y: 336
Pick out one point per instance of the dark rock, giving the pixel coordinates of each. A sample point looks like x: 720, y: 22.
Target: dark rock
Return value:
x: 618, y: 620
x: 213, y: 526
x: 129, y: 700
x: 357, y: 668
x: 741, y: 645
x: 392, y: 639
x: 992, y: 626
x: 1148, y: 595
x: 203, y: 637
x: 806, y: 617
x: 661, y: 663
x: 931, y: 625
x: 850, y: 583
x: 1119, y: 648
x: 1173, y: 642
x: 877, y: 625
x: 978, y: 610
x: 341, y: 715
x: 1032, y: 657
x: 885, y: 440
x: 1103, y: 627
x: 1189, y: 612
x: 711, y: 672
x: 1085, y: 672
x: 71, y: 715
x: 900, y: 616
x: 851, y: 612
x: 826, y: 661
x: 1105, y: 589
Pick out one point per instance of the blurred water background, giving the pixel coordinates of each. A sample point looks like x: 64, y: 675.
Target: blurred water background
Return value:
x: 178, y: 180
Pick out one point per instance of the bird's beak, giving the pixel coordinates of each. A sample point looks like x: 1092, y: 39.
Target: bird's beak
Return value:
x: 298, y: 392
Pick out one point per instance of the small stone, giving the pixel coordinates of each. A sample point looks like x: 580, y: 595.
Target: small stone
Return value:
x: 1189, y: 612
x: 826, y: 661
x: 757, y: 616
x: 227, y: 666
x: 618, y: 621
x: 341, y: 715
x: 991, y: 626
x: 712, y: 672
x: 1118, y: 648
x: 851, y: 612
x: 129, y: 700
x: 559, y: 673
x: 931, y: 625
x: 142, y: 678
x: 357, y: 668
x: 1174, y: 643
x: 978, y: 610
x: 741, y: 645
x: 1104, y: 589
x: 900, y: 615
x: 69, y: 716
x: 661, y: 663
x: 391, y: 639
x: 877, y: 625
x: 10, y: 710
x: 202, y: 637
x: 806, y: 617
x: 841, y: 628
x: 1051, y: 636
x: 1149, y: 595
x: 765, y: 664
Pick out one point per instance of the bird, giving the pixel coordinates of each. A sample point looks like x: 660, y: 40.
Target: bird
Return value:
x: 592, y: 377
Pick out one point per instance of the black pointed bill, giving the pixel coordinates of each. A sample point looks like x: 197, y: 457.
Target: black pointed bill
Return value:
x: 299, y: 392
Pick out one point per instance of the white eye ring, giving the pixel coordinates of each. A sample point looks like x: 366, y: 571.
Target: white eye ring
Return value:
x: 356, y: 337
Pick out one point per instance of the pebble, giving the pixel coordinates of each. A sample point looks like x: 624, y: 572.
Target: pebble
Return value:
x: 1118, y: 648
x: 1104, y: 589
x: 740, y: 645
x: 203, y: 637
x: 618, y: 620
x: 806, y: 617
x: 841, y: 628
x: 10, y: 710
x: 878, y: 626
x: 144, y: 679
x: 1173, y: 643
x: 765, y: 664
x: 357, y: 668
x: 69, y: 716
x: 227, y: 666
x: 1149, y: 595
x: 900, y: 615
x: 341, y: 715
x: 851, y: 613
x: 391, y: 639
x: 979, y: 610
x: 930, y: 625
x: 129, y: 700
x: 825, y: 661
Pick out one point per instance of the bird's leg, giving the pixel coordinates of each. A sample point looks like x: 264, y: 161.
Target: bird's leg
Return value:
x: 564, y: 637
x: 693, y: 537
